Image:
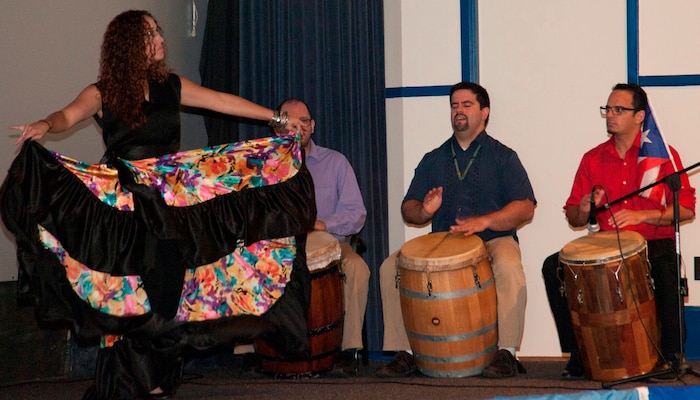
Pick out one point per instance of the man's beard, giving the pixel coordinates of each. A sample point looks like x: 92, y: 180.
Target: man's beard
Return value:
x: 460, y: 126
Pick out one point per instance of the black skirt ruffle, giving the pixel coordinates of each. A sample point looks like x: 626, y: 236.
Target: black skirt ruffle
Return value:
x: 38, y: 190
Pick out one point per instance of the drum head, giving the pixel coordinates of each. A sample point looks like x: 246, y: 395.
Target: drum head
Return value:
x: 602, y: 247
x: 442, y: 251
x: 322, y: 248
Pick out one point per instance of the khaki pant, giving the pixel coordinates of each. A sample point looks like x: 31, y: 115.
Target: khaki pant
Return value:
x: 511, y: 294
x: 355, y: 291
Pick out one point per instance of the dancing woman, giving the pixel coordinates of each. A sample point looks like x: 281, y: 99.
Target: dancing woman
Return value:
x: 160, y: 253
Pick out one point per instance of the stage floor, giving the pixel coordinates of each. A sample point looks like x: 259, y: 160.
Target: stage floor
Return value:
x: 222, y: 381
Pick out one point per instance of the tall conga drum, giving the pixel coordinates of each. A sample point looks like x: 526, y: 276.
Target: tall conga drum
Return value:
x: 448, y: 301
x: 611, y: 297
x: 324, y: 318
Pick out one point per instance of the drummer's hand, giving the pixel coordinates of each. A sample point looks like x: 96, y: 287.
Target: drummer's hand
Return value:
x: 319, y: 226
x: 33, y: 131
x: 469, y: 225
x: 626, y: 218
x: 585, y: 205
x: 432, y: 201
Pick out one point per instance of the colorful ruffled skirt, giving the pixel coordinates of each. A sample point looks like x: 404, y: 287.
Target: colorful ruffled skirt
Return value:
x: 164, y: 256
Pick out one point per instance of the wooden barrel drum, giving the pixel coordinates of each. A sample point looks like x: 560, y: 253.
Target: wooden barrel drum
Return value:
x: 324, y: 318
x: 448, y: 301
x: 611, y: 297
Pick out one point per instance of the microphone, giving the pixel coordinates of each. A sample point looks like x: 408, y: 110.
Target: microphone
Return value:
x: 593, y: 226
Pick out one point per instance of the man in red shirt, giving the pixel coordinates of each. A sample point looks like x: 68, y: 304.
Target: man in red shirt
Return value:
x: 611, y: 168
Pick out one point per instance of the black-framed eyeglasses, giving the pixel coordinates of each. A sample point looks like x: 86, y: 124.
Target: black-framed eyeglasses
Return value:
x: 305, y: 121
x: 616, y: 110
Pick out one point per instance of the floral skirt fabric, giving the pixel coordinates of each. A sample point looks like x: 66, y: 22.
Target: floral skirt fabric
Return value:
x: 88, y: 237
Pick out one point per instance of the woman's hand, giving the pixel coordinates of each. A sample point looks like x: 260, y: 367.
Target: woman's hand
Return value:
x: 293, y: 124
x: 32, y: 131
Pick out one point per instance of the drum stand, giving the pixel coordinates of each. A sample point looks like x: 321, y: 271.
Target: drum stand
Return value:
x: 674, y: 182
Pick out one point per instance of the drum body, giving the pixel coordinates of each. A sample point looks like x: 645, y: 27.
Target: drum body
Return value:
x: 611, y: 297
x: 324, y: 318
x: 448, y: 301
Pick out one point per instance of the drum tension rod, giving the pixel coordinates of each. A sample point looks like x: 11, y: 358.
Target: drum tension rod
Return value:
x: 650, y: 280
x: 618, y: 289
x: 579, y: 297
x: 477, y: 280
x: 620, y: 296
x: 430, y: 282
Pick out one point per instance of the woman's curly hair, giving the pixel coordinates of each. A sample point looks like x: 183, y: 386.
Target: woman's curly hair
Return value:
x: 124, y: 67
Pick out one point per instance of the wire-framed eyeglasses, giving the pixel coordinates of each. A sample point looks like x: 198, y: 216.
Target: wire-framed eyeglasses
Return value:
x: 616, y: 110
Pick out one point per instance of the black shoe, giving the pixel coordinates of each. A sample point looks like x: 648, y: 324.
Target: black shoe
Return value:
x: 681, y: 365
x: 573, y: 370
x: 402, y: 365
x: 503, y: 365
x: 250, y: 367
x: 346, y: 364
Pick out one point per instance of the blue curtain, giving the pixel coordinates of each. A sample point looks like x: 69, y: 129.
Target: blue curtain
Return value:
x: 330, y: 53
x: 218, y: 66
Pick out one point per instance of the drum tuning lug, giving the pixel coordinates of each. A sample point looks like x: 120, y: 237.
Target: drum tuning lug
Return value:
x: 562, y: 290
x: 618, y: 290
x: 477, y: 280
x: 579, y: 297
x: 430, y: 283
x: 397, y: 279
x: 650, y: 281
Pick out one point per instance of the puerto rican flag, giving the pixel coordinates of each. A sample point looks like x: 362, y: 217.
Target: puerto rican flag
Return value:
x: 653, y: 153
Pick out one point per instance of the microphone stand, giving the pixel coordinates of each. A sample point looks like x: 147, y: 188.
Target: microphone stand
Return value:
x: 674, y: 182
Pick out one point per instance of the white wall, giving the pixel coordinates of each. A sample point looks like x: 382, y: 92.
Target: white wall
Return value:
x: 50, y: 51
x: 548, y: 65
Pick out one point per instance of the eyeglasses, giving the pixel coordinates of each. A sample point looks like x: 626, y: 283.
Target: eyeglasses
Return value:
x: 152, y: 33
x: 305, y: 121
x: 616, y: 110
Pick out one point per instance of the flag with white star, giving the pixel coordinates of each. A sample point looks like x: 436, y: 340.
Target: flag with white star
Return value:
x: 653, y: 153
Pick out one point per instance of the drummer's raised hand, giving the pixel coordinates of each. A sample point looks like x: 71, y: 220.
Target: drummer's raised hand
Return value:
x: 432, y: 201
x: 421, y: 212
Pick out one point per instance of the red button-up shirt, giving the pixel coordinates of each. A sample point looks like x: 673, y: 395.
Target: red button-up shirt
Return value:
x: 618, y: 177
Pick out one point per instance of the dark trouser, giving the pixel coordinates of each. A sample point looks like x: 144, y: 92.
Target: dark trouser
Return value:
x: 553, y: 275
x: 662, y: 257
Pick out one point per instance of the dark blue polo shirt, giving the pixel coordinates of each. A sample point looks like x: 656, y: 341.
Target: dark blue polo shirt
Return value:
x: 495, y: 178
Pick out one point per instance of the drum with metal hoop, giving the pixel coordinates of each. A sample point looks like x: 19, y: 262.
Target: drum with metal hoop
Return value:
x: 325, y: 315
x: 448, y: 301
x: 611, y: 298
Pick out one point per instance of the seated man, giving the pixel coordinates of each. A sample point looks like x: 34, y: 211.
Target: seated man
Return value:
x: 471, y: 184
x: 608, y: 168
x: 341, y: 212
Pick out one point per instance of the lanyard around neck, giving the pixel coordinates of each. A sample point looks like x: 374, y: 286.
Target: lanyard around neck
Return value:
x: 462, y: 175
